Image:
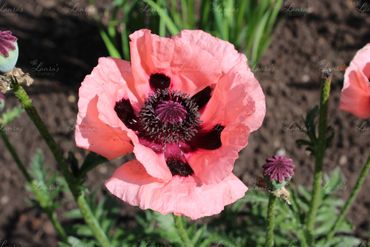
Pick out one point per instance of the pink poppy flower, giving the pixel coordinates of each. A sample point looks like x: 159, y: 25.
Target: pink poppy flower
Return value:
x: 355, y: 97
x: 185, y: 107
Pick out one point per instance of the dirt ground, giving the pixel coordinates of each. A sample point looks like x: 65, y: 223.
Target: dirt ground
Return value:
x: 59, y: 46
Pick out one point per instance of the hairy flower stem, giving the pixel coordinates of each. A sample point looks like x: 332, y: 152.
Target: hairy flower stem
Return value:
x: 73, y: 183
x: 319, y: 152
x: 354, y: 193
x: 56, y: 224
x: 47, y: 207
x: 270, y: 221
x: 14, y: 154
x: 182, y: 232
x: 50, y: 213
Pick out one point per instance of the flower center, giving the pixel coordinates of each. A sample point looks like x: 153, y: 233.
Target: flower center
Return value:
x: 168, y: 117
x: 170, y: 112
x: 169, y: 123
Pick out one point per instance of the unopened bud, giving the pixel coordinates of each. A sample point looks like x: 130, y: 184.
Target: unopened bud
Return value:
x: 8, y: 51
x: 277, y: 172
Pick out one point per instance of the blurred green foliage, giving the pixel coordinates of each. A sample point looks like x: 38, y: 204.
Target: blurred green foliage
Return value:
x: 246, y: 24
x: 241, y: 224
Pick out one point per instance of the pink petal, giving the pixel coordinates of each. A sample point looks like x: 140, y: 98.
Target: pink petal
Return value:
x: 200, y: 60
x: 154, y: 163
x: 362, y: 60
x: 237, y: 98
x: 113, y: 79
x: 149, y: 54
x: 193, y: 59
x: 92, y: 134
x: 97, y: 127
x: 237, y: 103
x: 355, y: 96
x: 181, y: 195
x: 212, y: 166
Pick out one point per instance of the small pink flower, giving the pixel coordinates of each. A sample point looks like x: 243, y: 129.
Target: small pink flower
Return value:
x: 185, y: 107
x: 355, y: 97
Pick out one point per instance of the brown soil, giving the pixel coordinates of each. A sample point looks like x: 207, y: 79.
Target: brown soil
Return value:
x: 59, y: 46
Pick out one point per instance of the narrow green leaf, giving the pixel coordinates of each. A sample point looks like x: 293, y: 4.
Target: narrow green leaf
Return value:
x: 162, y: 14
x: 91, y: 161
x: 112, y: 50
x: 334, y: 181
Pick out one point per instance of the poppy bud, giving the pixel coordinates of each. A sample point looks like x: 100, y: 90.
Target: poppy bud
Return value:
x: 8, y: 51
x: 277, y: 172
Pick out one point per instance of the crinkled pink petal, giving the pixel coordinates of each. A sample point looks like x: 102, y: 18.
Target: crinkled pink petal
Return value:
x: 362, y: 60
x: 212, y: 166
x: 92, y: 134
x: 193, y: 59
x: 181, y: 195
x: 355, y: 96
x: 237, y: 103
x: 154, y: 163
x: 99, y: 129
x: 200, y: 60
x: 237, y: 98
x: 149, y: 54
x: 115, y: 82
x: 93, y: 130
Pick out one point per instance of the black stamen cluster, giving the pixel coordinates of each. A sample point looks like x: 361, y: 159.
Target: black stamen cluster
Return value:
x: 152, y: 128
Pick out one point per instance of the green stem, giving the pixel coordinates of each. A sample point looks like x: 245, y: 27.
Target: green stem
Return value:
x: 51, y: 214
x: 56, y: 224
x: 270, y: 221
x: 360, y: 181
x: 182, y: 232
x: 14, y: 154
x: 72, y: 182
x: 320, y: 148
x: 295, y: 210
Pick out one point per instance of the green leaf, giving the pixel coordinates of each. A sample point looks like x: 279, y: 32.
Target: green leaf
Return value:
x: 111, y: 47
x: 218, y: 240
x: 73, y: 214
x: 75, y: 242
x: 82, y: 230
x: 167, y: 226
x: 311, y: 123
x: 165, y: 17
x: 197, y: 235
x: 303, y: 143
x: 257, y: 36
x: 10, y: 115
x: 333, y: 182
x: 37, y: 166
x: 91, y: 161
x: 2, y: 103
